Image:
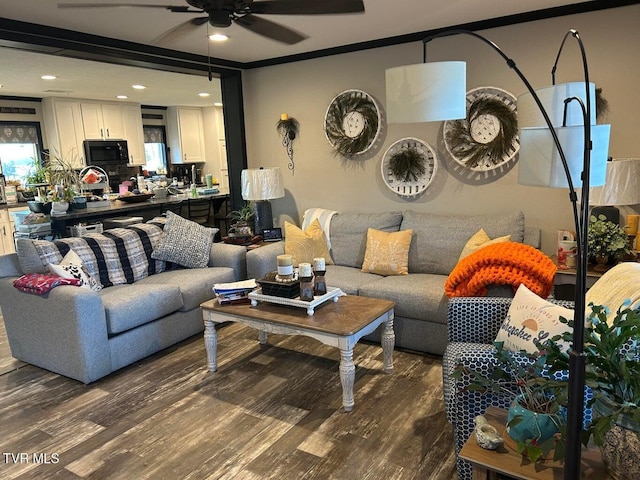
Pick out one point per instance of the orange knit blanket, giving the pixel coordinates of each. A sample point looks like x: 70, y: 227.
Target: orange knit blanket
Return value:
x: 506, y: 263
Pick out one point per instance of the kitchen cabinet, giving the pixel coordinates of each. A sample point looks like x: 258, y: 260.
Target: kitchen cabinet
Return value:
x: 102, y: 121
x: 133, y: 133
x: 185, y: 132
x: 7, y: 228
x: 63, y: 124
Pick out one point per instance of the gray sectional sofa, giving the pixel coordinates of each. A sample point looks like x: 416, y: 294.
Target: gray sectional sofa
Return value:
x: 437, y: 241
x: 86, y: 334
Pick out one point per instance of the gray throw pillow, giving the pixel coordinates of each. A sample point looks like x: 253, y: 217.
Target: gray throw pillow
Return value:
x: 184, y: 242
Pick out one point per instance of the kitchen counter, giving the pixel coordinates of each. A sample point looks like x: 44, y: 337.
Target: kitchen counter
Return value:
x: 147, y: 210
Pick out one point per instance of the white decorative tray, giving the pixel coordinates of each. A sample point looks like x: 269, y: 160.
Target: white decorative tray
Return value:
x: 332, y: 293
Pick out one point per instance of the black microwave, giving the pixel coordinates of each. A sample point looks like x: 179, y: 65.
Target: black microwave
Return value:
x: 106, y: 152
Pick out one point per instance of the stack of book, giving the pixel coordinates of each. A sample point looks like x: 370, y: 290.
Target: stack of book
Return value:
x: 234, y: 292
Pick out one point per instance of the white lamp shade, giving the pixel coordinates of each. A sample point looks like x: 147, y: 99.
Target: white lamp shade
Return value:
x: 540, y: 164
x: 262, y: 184
x: 552, y: 99
x: 622, y: 184
x: 426, y: 92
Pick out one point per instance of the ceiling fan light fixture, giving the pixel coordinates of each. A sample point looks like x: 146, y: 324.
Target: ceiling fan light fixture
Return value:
x: 219, y: 18
x: 218, y: 37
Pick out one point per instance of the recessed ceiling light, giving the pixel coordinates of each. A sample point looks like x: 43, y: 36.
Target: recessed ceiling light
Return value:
x: 139, y: 87
x: 204, y: 94
x: 218, y: 37
x: 122, y: 97
x: 48, y: 77
x: 217, y: 104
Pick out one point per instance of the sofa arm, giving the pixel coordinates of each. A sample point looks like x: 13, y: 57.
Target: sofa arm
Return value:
x: 227, y: 255
x: 263, y: 260
x: 476, y: 319
x: 64, y: 331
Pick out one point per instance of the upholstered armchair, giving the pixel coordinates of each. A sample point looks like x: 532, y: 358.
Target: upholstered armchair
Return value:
x: 473, y: 323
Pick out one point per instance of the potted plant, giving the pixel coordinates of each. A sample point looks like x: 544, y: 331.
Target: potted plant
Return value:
x: 612, y: 356
x: 606, y: 241
x: 535, y: 419
x: 241, y: 221
x: 36, y: 180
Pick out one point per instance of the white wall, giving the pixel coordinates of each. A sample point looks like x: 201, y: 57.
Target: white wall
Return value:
x: 305, y: 89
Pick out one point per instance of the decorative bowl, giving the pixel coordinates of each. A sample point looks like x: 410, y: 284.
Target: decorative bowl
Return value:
x: 141, y: 197
x: 39, y: 207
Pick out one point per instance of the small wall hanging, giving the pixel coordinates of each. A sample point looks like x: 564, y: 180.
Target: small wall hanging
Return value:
x: 352, y: 122
x: 408, y: 166
x: 488, y: 137
x: 288, y: 128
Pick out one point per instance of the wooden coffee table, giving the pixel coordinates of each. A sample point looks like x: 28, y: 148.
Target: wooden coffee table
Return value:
x: 338, y: 324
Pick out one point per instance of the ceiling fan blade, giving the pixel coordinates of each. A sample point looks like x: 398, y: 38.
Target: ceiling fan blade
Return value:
x: 306, y: 7
x: 269, y: 29
x: 179, y: 30
x: 173, y: 8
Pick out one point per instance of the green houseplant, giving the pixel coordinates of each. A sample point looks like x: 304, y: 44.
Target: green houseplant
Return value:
x: 612, y: 354
x: 537, y: 400
x: 241, y: 221
x: 605, y: 239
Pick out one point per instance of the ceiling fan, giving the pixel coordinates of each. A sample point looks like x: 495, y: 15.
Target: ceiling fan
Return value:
x: 222, y: 13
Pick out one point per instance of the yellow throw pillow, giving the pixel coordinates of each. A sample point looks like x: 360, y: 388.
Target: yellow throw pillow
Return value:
x: 306, y: 245
x: 387, y: 253
x: 478, y: 240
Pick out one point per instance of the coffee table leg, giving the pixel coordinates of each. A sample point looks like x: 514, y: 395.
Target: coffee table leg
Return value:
x: 211, y: 344
x: 388, y: 342
x: 347, y: 378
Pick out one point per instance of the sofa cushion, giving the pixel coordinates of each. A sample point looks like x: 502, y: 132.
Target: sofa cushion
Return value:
x: 478, y: 240
x: 348, y: 279
x: 349, y: 234
x: 438, y: 240
x: 117, y: 256
x: 184, y: 242
x: 305, y: 245
x: 387, y: 252
x: 195, y: 284
x: 129, y: 306
x: 417, y: 295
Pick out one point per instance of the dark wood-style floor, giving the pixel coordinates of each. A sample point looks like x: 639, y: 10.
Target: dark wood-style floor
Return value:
x: 270, y: 412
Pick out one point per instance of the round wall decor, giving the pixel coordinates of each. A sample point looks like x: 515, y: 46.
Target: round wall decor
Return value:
x: 408, y: 166
x: 488, y: 137
x: 352, y: 122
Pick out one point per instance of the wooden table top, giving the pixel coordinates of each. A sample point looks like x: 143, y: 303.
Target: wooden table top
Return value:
x: 350, y: 314
x: 507, y: 461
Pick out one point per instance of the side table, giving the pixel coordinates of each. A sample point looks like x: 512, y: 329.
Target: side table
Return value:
x: 565, y: 281
x: 505, y: 463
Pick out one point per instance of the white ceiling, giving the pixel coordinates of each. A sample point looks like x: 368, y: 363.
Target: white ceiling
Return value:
x: 20, y: 71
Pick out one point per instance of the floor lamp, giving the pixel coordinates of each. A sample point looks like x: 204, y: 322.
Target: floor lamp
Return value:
x: 560, y: 148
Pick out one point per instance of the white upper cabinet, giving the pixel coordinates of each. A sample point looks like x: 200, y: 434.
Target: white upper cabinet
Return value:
x: 102, y: 121
x: 63, y: 124
x: 185, y: 132
x: 133, y: 133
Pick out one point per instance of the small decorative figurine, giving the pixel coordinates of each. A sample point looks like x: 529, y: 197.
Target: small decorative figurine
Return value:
x: 486, y: 435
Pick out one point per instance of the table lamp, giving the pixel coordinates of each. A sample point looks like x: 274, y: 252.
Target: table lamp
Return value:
x: 260, y: 185
x: 560, y: 149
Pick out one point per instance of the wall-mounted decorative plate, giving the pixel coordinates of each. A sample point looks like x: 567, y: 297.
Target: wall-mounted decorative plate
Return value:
x: 352, y: 122
x: 488, y: 137
x: 409, y: 166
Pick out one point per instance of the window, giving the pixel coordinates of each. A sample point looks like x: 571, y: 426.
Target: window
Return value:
x: 155, y: 149
x: 20, y: 148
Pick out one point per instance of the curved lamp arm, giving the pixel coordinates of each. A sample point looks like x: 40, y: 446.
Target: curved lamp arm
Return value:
x: 576, y: 360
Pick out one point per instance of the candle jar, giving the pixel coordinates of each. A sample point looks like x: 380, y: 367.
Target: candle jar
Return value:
x: 306, y: 282
x: 285, y: 267
x: 319, y: 270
